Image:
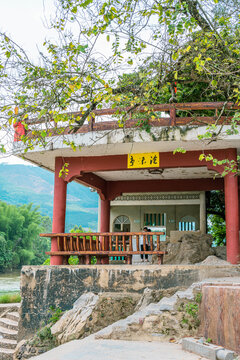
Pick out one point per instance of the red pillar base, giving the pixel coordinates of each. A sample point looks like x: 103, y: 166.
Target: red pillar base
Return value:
x: 56, y: 260
x: 232, y: 218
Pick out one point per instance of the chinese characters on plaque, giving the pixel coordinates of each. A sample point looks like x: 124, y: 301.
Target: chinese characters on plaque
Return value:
x: 146, y: 160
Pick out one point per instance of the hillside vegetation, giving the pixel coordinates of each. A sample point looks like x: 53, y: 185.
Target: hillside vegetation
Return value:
x: 20, y: 243
x: 20, y: 184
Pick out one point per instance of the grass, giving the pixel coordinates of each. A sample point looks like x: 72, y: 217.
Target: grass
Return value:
x: 10, y: 298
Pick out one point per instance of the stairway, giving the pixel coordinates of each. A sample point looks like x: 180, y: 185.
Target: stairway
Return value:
x: 8, y: 334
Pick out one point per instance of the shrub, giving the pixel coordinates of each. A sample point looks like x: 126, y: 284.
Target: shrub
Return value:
x: 10, y: 298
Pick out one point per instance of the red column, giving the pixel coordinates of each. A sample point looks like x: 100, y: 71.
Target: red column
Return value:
x: 105, y: 216
x: 59, y: 210
x: 232, y: 218
x: 239, y: 202
x: 105, y: 225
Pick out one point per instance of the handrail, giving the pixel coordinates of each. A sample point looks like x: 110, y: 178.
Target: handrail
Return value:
x: 105, y: 241
x: 125, y: 244
x: 158, y: 107
x: 102, y: 233
x: 53, y: 128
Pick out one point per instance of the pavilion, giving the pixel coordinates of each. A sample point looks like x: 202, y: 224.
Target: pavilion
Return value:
x: 132, y: 169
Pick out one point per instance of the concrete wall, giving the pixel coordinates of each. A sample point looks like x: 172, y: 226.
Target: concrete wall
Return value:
x: 61, y: 286
x: 174, y: 214
x: 220, y: 315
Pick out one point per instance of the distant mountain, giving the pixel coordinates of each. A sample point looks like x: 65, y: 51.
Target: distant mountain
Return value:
x: 22, y: 184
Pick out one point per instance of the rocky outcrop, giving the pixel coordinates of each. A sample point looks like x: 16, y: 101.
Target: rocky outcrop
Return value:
x: 91, y: 313
x: 221, y: 252
x: 214, y: 260
x: 171, y: 317
x: 189, y: 249
x: 153, y: 296
x: 73, y: 323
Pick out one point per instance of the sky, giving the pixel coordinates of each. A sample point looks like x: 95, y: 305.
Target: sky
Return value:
x: 25, y: 22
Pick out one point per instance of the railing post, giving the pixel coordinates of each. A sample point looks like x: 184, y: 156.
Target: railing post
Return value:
x: 91, y: 123
x: 173, y: 116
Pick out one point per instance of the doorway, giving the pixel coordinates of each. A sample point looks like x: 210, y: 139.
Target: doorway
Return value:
x: 121, y: 224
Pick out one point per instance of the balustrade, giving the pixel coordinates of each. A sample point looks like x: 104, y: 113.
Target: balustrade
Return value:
x: 111, y: 244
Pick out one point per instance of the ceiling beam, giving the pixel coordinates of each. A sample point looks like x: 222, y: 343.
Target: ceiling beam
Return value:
x: 167, y: 160
x: 117, y: 188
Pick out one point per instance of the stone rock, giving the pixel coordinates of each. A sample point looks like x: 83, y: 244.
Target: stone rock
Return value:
x: 213, y: 260
x: 190, y: 249
x: 147, y: 298
x: 157, y: 321
x: 221, y: 252
x: 18, y: 349
x: 72, y: 323
x: 91, y: 313
x: 153, y: 296
x: 26, y: 349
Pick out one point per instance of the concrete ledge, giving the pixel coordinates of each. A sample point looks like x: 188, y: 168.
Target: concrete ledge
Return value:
x: 209, y: 351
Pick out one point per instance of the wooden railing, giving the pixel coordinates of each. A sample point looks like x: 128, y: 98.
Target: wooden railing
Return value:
x: 97, y: 124
x: 124, y: 244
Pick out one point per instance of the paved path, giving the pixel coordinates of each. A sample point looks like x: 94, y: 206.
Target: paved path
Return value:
x: 90, y: 349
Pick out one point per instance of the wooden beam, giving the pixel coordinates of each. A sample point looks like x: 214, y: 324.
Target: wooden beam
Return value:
x: 119, y: 162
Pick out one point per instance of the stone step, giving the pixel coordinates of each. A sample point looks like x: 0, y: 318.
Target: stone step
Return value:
x: 8, y: 343
x: 14, y: 315
x: 8, y: 333
x: 6, y: 354
x: 10, y: 307
x: 9, y: 324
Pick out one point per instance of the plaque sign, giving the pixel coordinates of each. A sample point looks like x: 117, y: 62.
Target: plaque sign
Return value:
x: 144, y: 160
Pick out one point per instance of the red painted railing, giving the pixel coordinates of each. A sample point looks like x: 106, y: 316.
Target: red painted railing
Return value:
x: 96, y: 124
x: 123, y: 244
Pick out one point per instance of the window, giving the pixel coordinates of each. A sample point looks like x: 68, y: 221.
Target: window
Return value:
x: 187, y: 226
x: 155, y: 219
x: 187, y: 223
x: 121, y: 223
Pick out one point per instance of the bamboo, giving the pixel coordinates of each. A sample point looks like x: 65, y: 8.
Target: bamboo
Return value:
x: 144, y: 242
x: 77, y: 243
x: 65, y: 243
x: 137, y: 242
x: 110, y: 242
x: 101, y: 252
x: 130, y: 243
x: 71, y: 243
x: 124, y: 243
x: 58, y: 243
x: 151, y: 242
x: 158, y: 242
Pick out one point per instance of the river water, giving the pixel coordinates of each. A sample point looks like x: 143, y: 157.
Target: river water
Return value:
x: 10, y: 282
